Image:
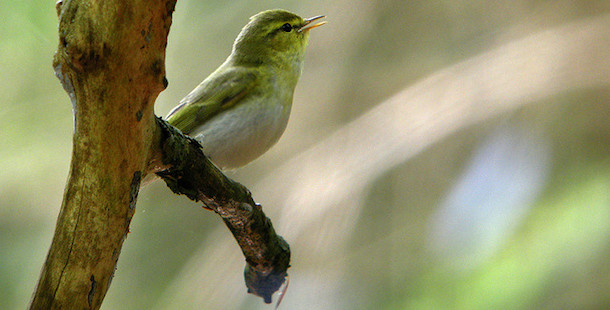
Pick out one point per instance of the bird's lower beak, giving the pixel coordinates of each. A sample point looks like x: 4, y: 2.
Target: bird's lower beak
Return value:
x: 308, y: 23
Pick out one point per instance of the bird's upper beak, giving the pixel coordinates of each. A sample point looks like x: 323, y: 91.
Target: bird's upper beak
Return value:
x: 308, y: 23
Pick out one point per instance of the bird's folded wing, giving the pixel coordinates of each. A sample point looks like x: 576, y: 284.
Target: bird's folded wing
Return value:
x: 220, y: 91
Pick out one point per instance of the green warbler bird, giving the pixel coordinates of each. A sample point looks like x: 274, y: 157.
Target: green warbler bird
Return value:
x: 241, y: 110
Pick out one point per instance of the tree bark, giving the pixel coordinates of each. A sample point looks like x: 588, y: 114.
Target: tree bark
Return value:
x: 110, y: 60
x: 188, y: 171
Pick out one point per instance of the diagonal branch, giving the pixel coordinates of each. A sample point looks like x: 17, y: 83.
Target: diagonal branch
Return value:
x: 190, y: 173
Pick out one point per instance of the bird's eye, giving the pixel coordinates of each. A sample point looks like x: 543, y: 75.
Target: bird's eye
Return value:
x: 286, y: 27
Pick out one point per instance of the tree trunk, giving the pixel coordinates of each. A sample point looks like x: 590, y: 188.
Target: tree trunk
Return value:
x: 110, y: 60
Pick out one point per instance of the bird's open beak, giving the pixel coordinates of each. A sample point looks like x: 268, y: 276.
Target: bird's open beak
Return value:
x: 308, y: 23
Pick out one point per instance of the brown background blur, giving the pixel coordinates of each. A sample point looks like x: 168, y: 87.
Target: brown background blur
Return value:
x: 440, y: 155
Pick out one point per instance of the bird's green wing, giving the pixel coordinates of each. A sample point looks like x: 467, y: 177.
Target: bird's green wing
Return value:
x: 222, y: 90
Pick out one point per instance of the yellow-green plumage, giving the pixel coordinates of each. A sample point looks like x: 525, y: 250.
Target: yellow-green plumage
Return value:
x: 240, y: 110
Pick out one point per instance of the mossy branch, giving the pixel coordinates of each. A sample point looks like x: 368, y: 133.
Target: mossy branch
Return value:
x: 191, y: 173
x: 110, y: 60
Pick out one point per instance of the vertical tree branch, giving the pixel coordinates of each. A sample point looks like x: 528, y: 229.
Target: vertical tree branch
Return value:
x: 110, y: 59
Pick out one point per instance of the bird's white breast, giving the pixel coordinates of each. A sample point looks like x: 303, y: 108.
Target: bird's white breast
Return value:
x: 239, y: 135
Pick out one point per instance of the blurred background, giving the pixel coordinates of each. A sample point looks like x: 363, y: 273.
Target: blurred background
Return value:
x: 440, y: 155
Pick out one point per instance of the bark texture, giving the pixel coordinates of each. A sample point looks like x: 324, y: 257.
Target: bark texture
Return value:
x: 190, y: 173
x: 111, y: 62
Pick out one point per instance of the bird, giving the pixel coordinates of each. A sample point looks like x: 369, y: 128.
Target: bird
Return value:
x: 242, y: 108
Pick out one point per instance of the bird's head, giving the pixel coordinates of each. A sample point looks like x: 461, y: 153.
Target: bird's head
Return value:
x: 272, y: 36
